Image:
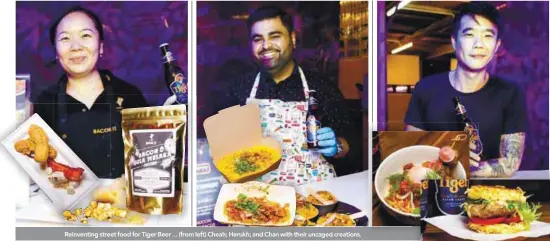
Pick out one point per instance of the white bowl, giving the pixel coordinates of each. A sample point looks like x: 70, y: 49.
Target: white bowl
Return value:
x: 394, y: 163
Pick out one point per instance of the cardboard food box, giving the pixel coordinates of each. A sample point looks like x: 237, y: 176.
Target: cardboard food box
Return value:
x: 235, y: 129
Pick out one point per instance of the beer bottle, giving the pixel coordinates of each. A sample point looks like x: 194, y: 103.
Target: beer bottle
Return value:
x: 450, y: 195
x: 469, y: 126
x: 427, y: 200
x: 448, y: 158
x: 174, y: 75
x: 312, y: 122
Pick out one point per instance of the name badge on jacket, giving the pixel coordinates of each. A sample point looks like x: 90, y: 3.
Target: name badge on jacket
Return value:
x: 100, y: 131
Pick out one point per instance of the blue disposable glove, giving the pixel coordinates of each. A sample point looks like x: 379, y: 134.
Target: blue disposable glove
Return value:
x: 328, y: 146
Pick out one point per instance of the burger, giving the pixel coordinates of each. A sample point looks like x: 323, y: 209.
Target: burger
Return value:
x: 499, y: 210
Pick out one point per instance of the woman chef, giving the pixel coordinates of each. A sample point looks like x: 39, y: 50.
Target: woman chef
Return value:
x: 84, y: 106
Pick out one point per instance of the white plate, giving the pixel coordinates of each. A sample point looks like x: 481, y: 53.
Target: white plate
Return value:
x: 279, y: 194
x: 59, y: 196
x: 394, y: 164
x: 456, y: 226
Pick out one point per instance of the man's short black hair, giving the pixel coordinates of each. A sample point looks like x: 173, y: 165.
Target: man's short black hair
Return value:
x: 270, y: 12
x: 97, y: 22
x: 483, y: 9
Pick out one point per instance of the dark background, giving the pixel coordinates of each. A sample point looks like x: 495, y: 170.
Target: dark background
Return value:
x: 133, y: 32
x: 223, y: 50
x: 522, y: 58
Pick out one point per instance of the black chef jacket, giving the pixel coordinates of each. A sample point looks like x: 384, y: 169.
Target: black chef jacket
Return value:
x: 94, y: 134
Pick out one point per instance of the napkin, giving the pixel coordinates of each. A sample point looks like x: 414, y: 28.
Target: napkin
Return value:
x: 456, y: 226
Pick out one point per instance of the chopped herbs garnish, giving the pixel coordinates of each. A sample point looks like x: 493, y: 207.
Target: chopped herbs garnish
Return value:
x: 266, y: 189
x: 244, y: 166
x: 416, y: 211
x: 246, y: 204
x: 396, y: 177
x: 395, y: 180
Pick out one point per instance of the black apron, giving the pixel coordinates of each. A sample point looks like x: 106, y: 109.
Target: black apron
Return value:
x: 95, y: 137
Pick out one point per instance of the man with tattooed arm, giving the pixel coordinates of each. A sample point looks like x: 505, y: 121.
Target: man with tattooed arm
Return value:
x: 496, y: 105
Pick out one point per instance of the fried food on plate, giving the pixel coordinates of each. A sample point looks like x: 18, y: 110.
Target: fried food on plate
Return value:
x: 52, y: 153
x: 37, y: 135
x: 25, y: 146
x: 41, y: 152
x: 28, y: 147
x: 40, y: 139
x: 59, y: 175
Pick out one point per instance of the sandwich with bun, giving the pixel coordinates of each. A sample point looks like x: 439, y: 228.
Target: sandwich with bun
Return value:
x: 499, y: 210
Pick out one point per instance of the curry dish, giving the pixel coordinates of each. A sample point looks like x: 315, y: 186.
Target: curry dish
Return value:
x: 304, y: 208
x: 236, y: 167
x: 327, y: 196
x: 303, y: 223
x: 256, y: 210
x: 338, y: 219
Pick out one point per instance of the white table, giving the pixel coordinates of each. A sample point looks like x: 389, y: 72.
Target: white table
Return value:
x: 352, y: 189
x: 39, y: 212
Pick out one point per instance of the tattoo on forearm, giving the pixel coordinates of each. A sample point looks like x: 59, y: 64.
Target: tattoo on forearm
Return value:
x: 513, y: 150
x: 512, y: 147
x: 489, y: 168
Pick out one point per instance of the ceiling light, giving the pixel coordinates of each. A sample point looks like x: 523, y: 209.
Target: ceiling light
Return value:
x: 391, y: 11
x: 402, y: 4
x: 401, y: 48
x: 499, y: 7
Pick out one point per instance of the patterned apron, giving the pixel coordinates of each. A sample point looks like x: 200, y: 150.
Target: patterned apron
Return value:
x: 286, y: 122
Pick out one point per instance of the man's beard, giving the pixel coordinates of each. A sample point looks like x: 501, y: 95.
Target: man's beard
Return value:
x: 275, y: 65
x: 271, y: 65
